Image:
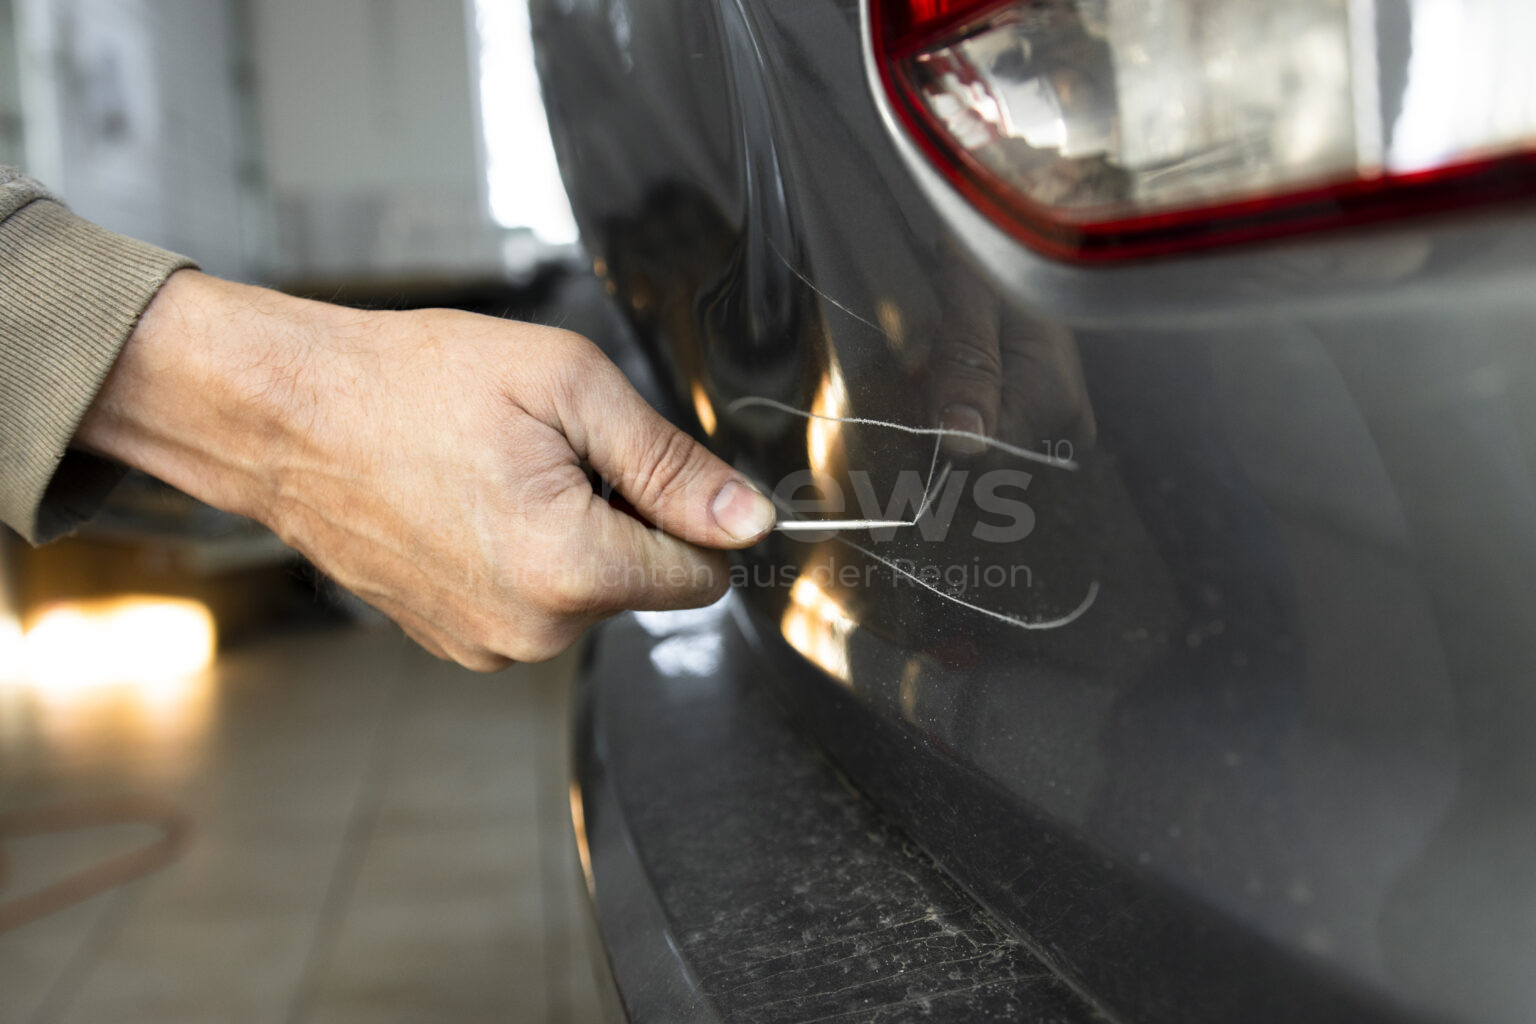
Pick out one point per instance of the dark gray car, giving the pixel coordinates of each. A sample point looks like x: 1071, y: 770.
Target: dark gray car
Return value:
x: 1189, y: 348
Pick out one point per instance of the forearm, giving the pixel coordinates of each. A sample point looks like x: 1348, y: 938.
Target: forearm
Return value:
x: 206, y: 394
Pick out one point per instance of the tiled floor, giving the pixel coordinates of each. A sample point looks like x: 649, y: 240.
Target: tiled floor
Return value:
x: 372, y: 836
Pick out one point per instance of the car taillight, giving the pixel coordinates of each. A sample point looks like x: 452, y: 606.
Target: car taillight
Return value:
x: 1103, y: 129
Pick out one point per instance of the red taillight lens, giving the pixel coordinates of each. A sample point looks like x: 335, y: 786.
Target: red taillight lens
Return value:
x: 1105, y: 129
x: 918, y: 21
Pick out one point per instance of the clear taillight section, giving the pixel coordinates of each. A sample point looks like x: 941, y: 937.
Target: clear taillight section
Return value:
x: 1097, y: 129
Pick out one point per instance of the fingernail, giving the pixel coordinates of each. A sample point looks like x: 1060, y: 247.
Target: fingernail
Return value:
x: 742, y: 512
x: 963, y: 417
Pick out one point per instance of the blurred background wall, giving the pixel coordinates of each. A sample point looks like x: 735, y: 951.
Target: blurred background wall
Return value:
x: 371, y: 137
x: 138, y: 112
x: 322, y: 141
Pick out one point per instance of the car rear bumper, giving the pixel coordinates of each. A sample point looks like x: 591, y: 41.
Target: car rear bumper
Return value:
x: 735, y: 875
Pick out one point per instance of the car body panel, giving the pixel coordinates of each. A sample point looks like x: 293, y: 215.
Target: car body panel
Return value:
x: 1281, y: 766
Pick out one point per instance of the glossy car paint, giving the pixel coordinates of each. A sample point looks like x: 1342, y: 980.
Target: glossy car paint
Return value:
x: 1283, y: 767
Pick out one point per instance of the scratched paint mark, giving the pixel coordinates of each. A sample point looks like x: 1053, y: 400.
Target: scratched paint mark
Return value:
x: 807, y: 282
x: 1012, y: 620
x: 747, y: 401
x: 809, y: 525
x: 817, y: 525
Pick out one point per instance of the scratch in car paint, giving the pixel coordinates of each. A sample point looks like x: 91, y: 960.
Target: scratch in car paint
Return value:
x: 929, y: 491
x: 817, y: 525
x: 833, y: 525
x: 1012, y: 449
x: 807, y: 281
x: 1012, y: 620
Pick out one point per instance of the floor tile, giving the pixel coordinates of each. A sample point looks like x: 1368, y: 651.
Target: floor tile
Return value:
x: 236, y: 967
x: 35, y: 957
x: 372, y: 834
x: 443, y: 925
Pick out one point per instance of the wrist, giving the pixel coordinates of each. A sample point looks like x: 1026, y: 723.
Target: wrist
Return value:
x: 205, y: 391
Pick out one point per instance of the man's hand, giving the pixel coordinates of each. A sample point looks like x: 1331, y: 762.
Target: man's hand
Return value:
x: 432, y: 462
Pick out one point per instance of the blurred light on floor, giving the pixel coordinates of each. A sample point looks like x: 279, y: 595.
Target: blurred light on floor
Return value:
x: 460, y: 899
x: 522, y: 177
x: 85, y: 673
x: 151, y: 642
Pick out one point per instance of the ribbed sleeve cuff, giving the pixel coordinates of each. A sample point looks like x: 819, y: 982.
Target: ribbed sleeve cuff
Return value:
x: 70, y: 295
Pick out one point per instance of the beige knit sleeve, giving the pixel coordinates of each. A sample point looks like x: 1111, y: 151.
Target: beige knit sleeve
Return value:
x: 70, y: 294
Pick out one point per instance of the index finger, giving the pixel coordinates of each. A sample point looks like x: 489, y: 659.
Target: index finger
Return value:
x: 634, y: 567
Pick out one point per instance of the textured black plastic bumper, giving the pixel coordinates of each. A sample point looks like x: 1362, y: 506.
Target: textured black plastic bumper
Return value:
x: 735, y: 874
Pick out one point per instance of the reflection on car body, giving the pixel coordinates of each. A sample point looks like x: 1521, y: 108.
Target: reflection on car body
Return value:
x: 1270, y: 756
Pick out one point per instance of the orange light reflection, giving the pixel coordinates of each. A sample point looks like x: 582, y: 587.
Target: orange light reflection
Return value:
x: 703, y: 408
x: 822, y: 436
x: 817, y: 626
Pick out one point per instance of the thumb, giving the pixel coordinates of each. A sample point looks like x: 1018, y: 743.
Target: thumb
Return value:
x: 670, y: 478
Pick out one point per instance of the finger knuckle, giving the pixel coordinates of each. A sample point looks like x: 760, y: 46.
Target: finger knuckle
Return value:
x: 667, y: 462
x: 568, y: 367
x: 537, y: 645
x: 569, y: 591
x: 579, y: 354
x: 482, y: 661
